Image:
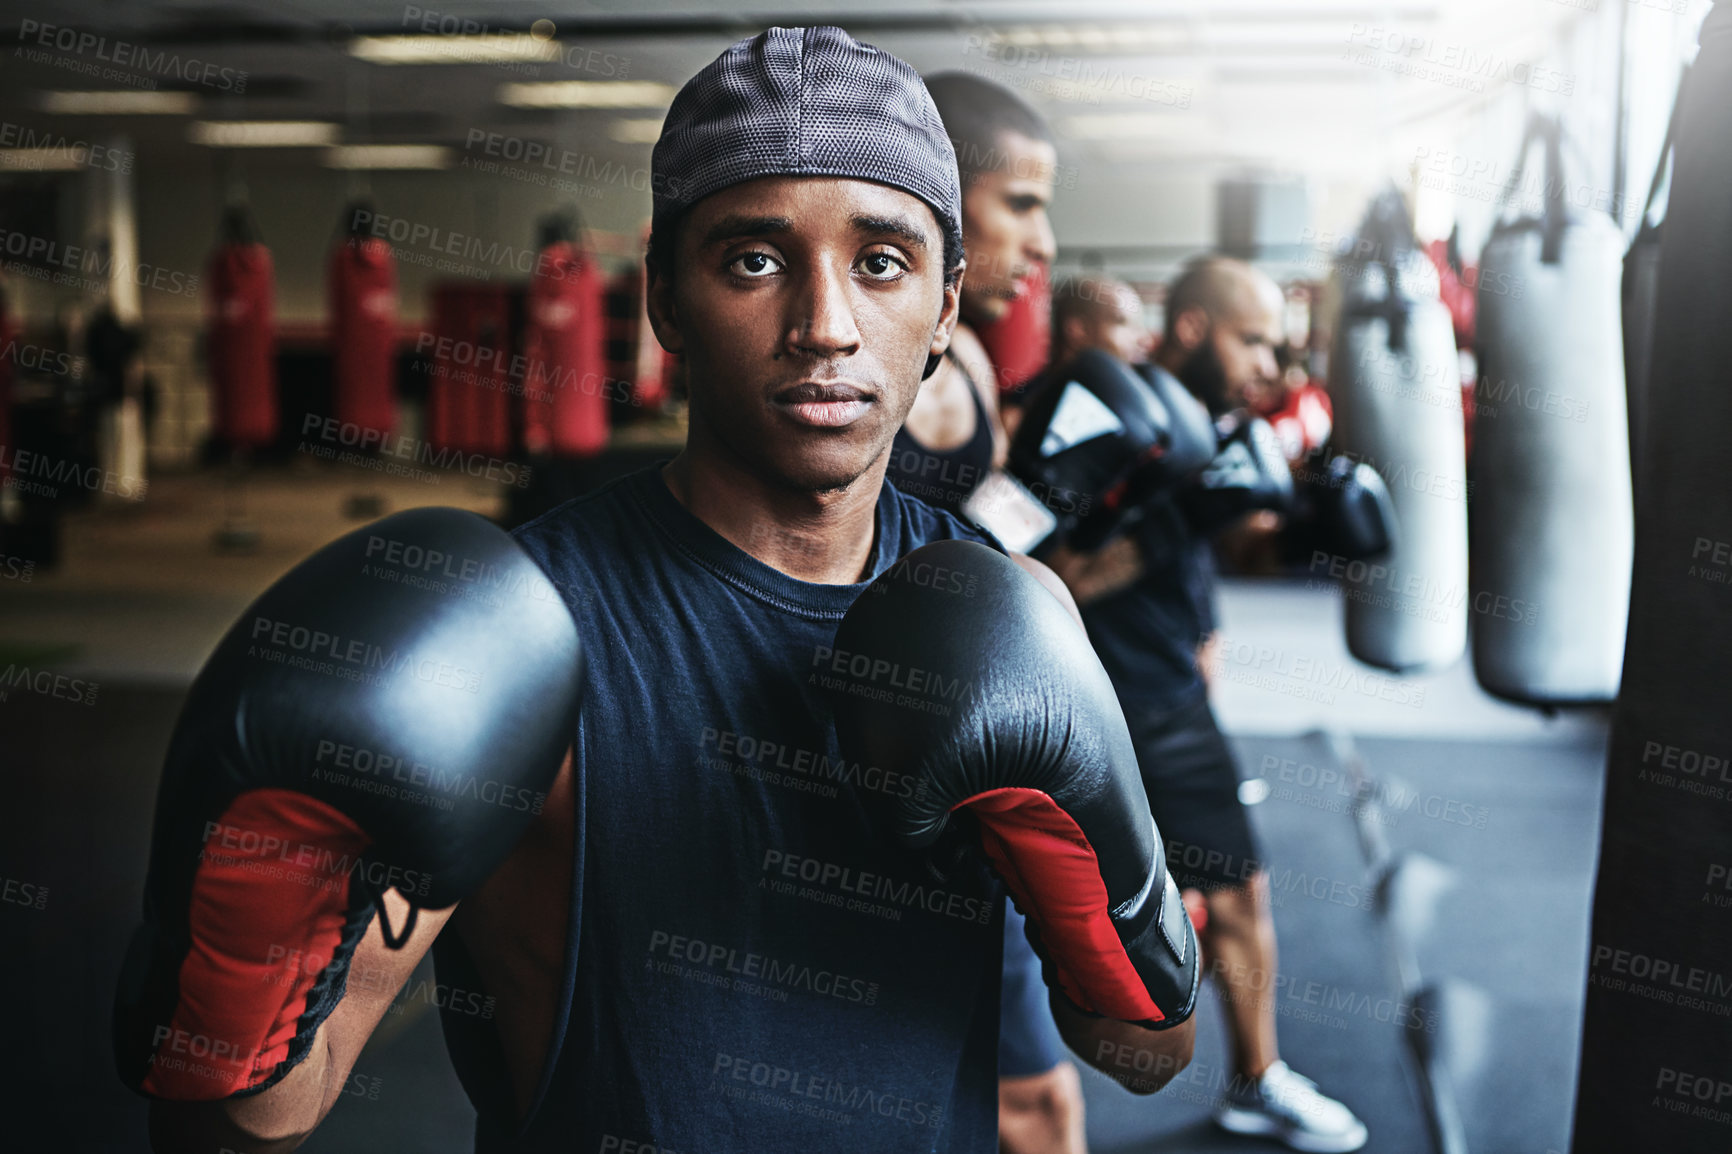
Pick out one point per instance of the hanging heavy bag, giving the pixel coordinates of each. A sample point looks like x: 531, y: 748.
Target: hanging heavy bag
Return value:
x: 362, y: 295
x: 242, y: 338
x: 1641, y: 285
x: 1395, y: 382
x: 566, y: 391
x: 1656, y: 1053
x: 1551, y: 530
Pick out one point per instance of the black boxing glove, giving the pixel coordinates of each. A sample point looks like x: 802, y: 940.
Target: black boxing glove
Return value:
x: 1005, y: 714
x: 1098, y: 439
x: 1344, y: 509
x: 1248, y: 473
x: 389, y: 714
x: 1193, y: 441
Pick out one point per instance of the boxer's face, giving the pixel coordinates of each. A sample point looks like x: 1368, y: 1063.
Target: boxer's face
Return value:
x: 1233, y: 361
x: 1004, y: 225
x: 1116, y: 326
x: 805, y: 308
x: 1243, y: 343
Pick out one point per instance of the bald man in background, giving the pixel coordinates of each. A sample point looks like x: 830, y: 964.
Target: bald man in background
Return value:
x: 1147, y: 598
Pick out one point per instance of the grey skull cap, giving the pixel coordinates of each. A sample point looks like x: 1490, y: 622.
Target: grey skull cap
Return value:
x: 806, y: 102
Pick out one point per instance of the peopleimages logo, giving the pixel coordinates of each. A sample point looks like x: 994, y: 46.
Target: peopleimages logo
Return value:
x: 37, y: 40
x: 237, y: 847
x: 780, y: 972
x: 844, y: 880
x: 876, y: 679
x: 402, y: 448
x: 301, y: 647
x: 83, y: 153
x: 794, y: 1084
x: 84, y: 265
x: 482, y: 148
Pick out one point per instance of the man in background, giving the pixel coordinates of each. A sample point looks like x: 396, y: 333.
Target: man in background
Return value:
x: 1147, y: 598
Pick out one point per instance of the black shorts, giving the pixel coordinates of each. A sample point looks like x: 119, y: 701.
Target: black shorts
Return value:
x: 1193, y: 787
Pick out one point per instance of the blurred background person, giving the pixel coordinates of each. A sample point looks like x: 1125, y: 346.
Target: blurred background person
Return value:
x: 1148, y: 600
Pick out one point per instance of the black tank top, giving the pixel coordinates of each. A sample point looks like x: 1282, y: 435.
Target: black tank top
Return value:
x: 753, y: 965
x: 944, y: 477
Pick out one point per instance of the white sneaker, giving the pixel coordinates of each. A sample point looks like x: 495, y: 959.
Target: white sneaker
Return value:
x: 1288, y: 1107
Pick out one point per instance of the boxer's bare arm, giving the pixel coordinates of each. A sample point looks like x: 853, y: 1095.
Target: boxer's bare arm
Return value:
x: 1090, y: 576
x: 1051, y: 582
x: 1139, y: 1059
x: 966, y: 347
x: 281, y: 1117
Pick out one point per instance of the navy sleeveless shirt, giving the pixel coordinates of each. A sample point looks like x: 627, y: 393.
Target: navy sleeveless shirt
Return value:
x: 944, y: 477
x: 754, y: 965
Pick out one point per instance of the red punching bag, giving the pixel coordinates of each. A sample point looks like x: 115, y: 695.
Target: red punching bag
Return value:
x: 468, y: 389
x: 1020, y: 341
x: 1455, y: 288
x: 634, y: 355
x: 241, y: 345
x: 565, y: 392
x: 363, y: 302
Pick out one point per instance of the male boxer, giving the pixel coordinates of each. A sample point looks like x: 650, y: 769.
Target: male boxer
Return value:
x: 1005, y: 155
x: 1098, y: 313
x: 1147, y: 598
x: 708, y: 940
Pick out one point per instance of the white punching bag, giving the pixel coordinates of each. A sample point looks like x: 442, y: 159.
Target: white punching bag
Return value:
x: 1395, y: 382
x: 1552, y: 531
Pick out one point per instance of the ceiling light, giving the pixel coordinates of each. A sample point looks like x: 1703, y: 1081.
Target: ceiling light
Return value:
x: 485, y: 48
x: 263, y: 133
x: 1096, y: 38
x: 587, y: 94
x: 42, y: 159
x: 637, y: 130
x: 118, y: 102
x: 1128, y: 126
x: 388, y: 156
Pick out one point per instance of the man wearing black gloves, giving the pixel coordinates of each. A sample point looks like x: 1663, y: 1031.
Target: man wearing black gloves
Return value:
x: 1147, y: 597
x: 727, y: 930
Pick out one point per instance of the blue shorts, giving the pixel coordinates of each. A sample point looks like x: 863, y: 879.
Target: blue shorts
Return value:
x: 1028, y: 1041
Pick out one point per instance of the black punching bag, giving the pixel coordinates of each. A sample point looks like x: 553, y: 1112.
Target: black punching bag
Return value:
x: 1656, y: 1070
x: 1641, y: 286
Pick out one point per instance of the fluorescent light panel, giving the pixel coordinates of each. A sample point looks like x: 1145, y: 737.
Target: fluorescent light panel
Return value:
x: 481, y: 48
x: 1130, y: 126
x: 118, y: 102
x: 388, y: 156
x: 1096, y: 37
x: 263, y: 133
x: 636, y: 130
x: 587, y: 94
x: 42, y: 159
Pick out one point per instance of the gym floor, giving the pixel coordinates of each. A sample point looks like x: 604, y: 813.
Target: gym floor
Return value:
x: 1439, y: 906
